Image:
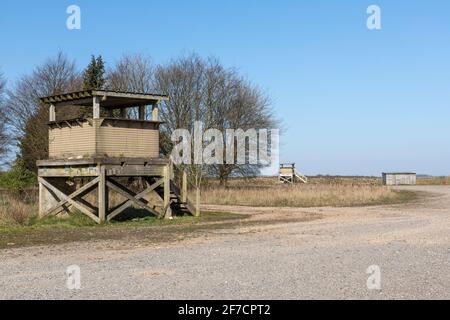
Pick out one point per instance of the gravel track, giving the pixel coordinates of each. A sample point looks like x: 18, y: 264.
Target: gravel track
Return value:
x: 324, y: 258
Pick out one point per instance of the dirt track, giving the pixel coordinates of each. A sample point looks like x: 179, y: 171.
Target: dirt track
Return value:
x: 297, y: 259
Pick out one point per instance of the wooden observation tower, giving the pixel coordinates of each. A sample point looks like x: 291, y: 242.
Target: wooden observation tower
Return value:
x: 288, y: 174
x: 102, y: 152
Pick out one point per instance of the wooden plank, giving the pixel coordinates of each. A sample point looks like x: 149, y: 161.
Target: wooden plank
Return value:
x: 104, y: 94
x: 155, y: 111
x: 111, y: 171
x: 52, y: 113
x: 184, y: 188
x: 42, y: 200
x: 102, y: 160
x: 102, y: 195
x: 134, y: 170
x: 77, y: 193
x: 193, y: 209
x: 79, y: 102
x: 96, y: 107
x: 84, y: 209
x: 116, y: 141
x: 129, y: 95
x: 68, y: 172
x: 141, y: 112
x: 114, y: 185
x: 167, y: 210
x: 139, y: 196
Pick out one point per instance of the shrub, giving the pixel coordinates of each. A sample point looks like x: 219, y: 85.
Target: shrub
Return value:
x: 18, y: 178
x: 14, y: 210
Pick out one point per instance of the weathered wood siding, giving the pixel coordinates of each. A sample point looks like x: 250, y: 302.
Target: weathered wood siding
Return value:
x: 128, y: 139
x: 76, y: 140
x: 286, y: 171
x: 104, y: 138
x: 397, y: 179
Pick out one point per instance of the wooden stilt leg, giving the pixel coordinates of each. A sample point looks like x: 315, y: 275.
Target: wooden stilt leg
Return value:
x: 102, y: 196
x: 56, y: 195
x: 42, y: 200
x: 184, y: 188
x: 49, y: 199
x: 167, y: 209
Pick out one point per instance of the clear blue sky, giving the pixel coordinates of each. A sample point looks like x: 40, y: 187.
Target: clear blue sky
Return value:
x: 353, y: 101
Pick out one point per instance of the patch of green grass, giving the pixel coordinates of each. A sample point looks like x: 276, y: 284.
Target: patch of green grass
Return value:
x: 34, y: 223
x: 400, y: 197
x: 77, y: 227
x: 404, y: 196
x: 74, y: 220
x: 78, y: 220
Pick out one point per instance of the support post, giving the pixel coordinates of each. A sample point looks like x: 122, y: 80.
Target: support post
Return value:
x: 47, y: 200
x: 155, y: 112
x: 184, y: 188
x: 42, y: 200
x: 96, y: 108
x: 52, y: 113
x: 167, y: 209
x: 123, y: 113
x: 141, y: 112
x: 61, y: 195
x: 102, y: 195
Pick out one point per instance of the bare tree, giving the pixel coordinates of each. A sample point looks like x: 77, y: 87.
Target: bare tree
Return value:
x: 4, y: 138
x: 200, y: 90
x: 247, y: 107
x: 28, y: 119
x: 184, y: 81
x: 203, y: 90
x: 132, y: 73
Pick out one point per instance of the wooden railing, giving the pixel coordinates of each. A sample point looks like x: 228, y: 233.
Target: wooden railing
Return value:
x: 182, y: 193
x: 301, y: 177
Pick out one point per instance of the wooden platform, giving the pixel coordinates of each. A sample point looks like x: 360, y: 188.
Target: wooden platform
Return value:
x: 120, y: 167
x: 289, y: 175
x: 98, y: 153
x: 108, y: 137
x: 56, y: 197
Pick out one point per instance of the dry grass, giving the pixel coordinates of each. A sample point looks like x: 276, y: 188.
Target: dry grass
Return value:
x: 311, y: 195
x: 13, y: 210
x: 338, y: 180
x: 321, y: 180
x: 20, y: 210
x: 434, y: 181
x: 319, y: 192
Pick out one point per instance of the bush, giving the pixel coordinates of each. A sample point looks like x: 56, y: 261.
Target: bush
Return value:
x: 18, y: 178
x: 15, y: 211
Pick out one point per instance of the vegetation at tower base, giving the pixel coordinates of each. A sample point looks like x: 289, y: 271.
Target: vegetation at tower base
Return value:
x: 18, y: 178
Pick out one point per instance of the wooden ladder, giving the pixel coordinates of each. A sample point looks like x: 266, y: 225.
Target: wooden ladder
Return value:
x: 301, y: 177
x: 180, y: 203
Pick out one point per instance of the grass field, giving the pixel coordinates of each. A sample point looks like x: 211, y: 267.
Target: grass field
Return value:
x: 16, y: 215
x: 319, y: 192
x: 313, y: 195
x: 19, y: 213
x: 19, y: 225
x: 80, y: 228
x: 434, y: 181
